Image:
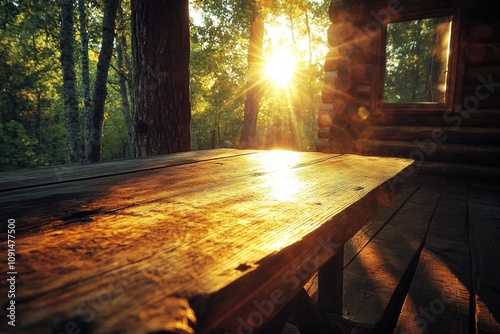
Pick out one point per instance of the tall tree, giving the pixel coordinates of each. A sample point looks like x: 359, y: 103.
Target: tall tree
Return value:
x: 160, y: 48
x: 87, y: 97
x: 94, y: 142
x: 121, y: 49
x: 75, y: 148
x: 254, y: 88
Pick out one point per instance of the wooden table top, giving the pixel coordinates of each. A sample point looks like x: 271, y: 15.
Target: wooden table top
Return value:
x: 206, y: 241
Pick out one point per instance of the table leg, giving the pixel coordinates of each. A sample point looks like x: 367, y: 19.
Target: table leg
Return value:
x: 276, y: 325
x: 330, y: 284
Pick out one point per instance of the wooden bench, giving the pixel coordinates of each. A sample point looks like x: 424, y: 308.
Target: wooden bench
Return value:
x: 218, y: 241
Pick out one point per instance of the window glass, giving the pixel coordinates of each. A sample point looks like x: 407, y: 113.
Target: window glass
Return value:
x: 416, y: 63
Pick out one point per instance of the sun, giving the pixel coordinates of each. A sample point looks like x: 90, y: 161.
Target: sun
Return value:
x: 281, y: 67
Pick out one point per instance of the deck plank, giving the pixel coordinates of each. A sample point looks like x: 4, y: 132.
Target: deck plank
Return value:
x: 438, y: 299
x: 363, y: 237
x: 380, y: 220
x: 156, y: 250
x: 484, y: 223
x: 372, y: 277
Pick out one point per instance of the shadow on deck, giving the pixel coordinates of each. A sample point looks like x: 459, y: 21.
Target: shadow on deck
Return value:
x: 427, y: 262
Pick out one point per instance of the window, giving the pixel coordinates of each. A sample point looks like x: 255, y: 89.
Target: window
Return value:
x: 417, y: 62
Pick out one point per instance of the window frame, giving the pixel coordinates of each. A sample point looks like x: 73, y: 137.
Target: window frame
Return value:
x: 451, y: 80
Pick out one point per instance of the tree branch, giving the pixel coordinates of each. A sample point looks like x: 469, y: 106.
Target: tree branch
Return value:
x: 120, y: 73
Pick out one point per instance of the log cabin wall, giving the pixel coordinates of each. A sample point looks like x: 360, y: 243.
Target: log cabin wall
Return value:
x: 464, y: 131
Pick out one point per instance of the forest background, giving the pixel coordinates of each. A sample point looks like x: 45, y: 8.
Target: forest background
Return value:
x: 33, y: 129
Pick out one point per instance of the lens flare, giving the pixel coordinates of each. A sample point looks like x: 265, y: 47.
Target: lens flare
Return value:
x: 281, y: 67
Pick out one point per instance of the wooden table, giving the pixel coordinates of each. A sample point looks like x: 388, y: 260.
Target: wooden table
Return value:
x: 213, y: 241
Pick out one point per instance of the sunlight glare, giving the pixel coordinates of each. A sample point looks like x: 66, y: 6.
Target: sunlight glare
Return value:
x: 281, y: 66
x: 276, y: 160
x: 281, y: 182
x: 281, y: 241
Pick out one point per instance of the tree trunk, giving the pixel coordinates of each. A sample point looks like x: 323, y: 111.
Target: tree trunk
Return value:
x: 160, y: 49
x: 312, y: 107
x: 254, y: 90
x: 75, y: 148
x: 87, y: 98
x: 120, y: 49
x: 94, y: 142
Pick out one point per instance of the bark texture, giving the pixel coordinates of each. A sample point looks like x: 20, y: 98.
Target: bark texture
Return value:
x: 254, y: 89
x: 160, y: 48
x: 94, y: 142
x: 75, y: 147
x: 120, y: 61
x: 87, y: 97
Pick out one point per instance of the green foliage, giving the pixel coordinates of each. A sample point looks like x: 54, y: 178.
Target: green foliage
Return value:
x: 18, y: 148
x: 114, y: 144
x: 32, y: 118
x: 218, y: 73
x: 32, y: 115
x: 289, y: 115
x: 32, y: 129
x: 219, y: 47
x: 414, y: 67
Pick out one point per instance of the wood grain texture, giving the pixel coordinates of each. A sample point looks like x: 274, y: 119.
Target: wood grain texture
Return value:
x: 455, y: 285
x: 61, y: 174
x: 430, y: 151
x: 476, y: 118
x: 438, y: 299
x: 470, y: 114
x: 372, y: 277
x: 364, y: 236
x: 205, y: 245
x: 464, y: 135
x: 484, y: 219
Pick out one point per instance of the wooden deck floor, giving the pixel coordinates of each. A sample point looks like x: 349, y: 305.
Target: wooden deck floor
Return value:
x: 429, y: 262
